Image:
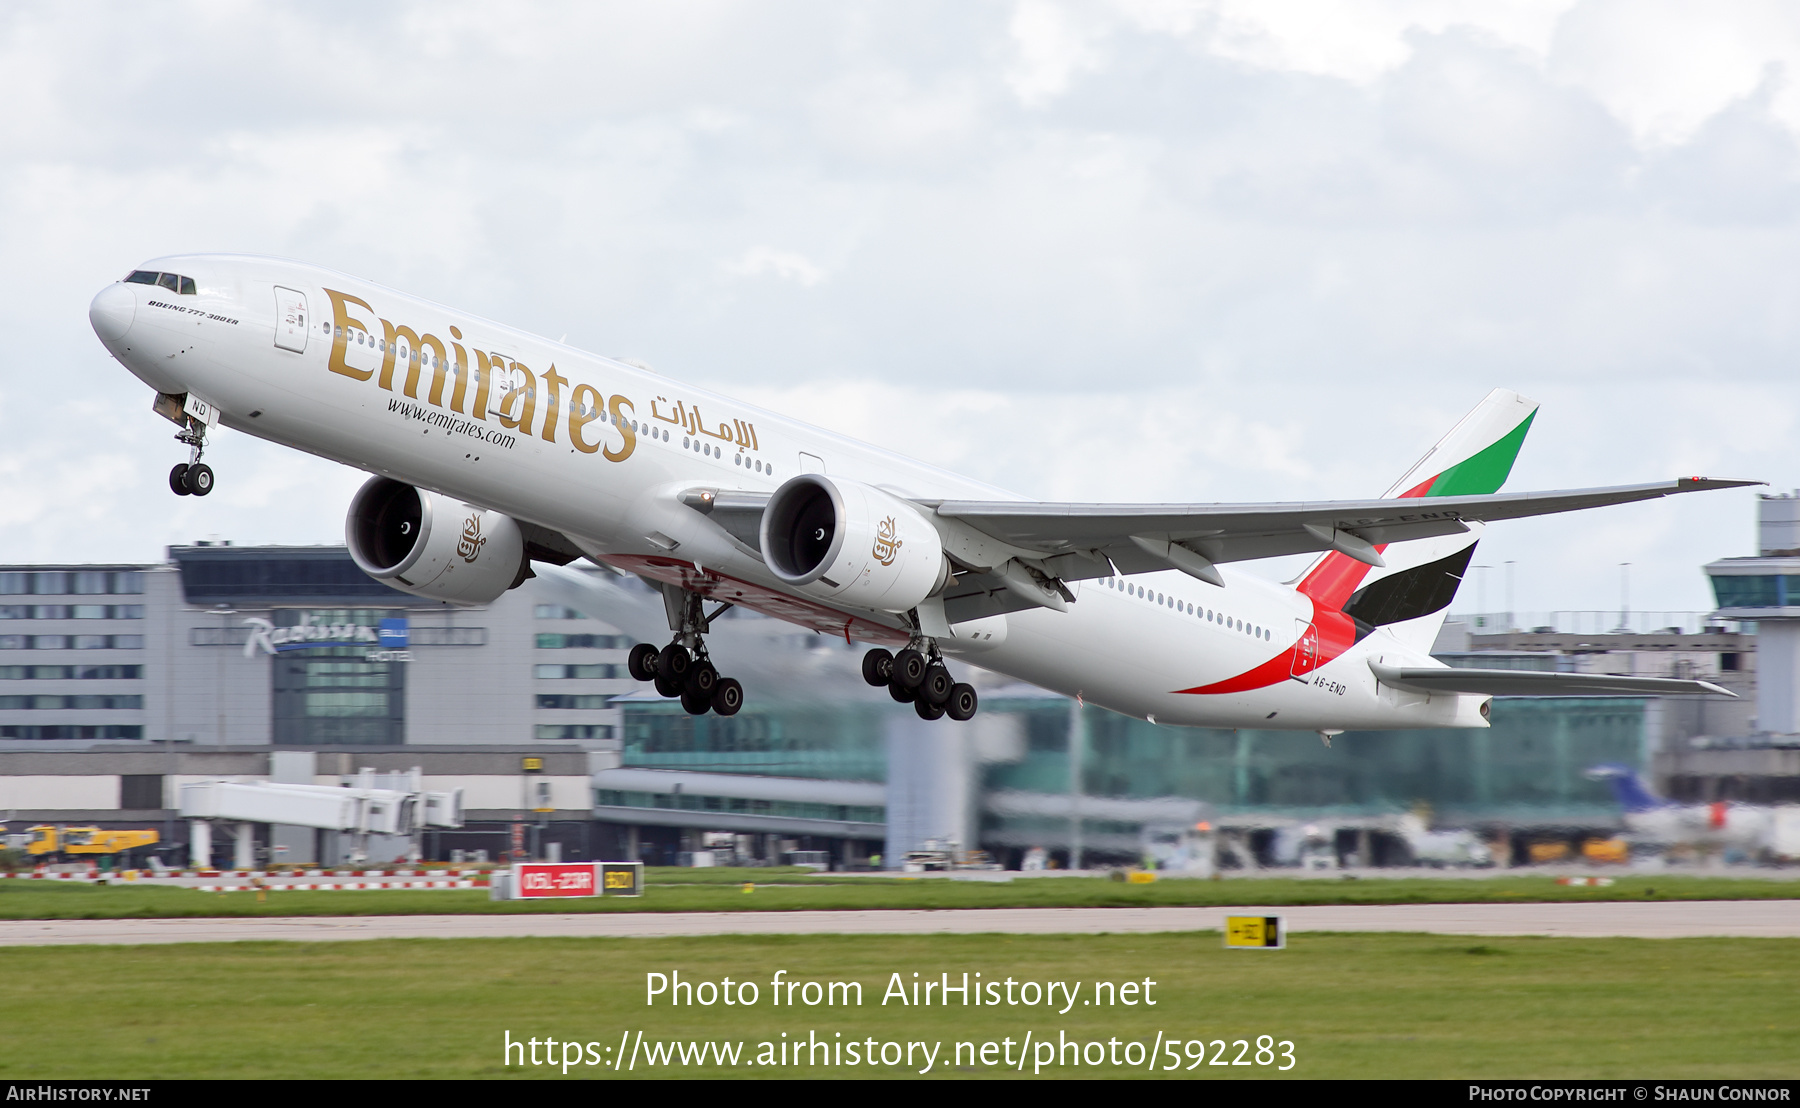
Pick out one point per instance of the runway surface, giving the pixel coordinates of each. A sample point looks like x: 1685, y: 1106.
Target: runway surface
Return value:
x: 1659, y: 920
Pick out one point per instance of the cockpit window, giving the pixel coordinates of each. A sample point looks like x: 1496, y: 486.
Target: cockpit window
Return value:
x: 174, y: 282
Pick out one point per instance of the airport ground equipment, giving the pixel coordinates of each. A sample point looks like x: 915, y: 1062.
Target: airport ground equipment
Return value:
x: 383, y: 804
x: 47, y: 839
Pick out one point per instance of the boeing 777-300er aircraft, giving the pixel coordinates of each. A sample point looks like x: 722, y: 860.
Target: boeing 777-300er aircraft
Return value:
x: 491, y: 448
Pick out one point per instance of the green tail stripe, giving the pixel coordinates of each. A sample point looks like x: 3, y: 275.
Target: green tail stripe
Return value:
x: 1485, y: 472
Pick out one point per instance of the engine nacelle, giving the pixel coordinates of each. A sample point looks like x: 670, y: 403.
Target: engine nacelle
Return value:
x: 432, y: 546
x: 852, y: 543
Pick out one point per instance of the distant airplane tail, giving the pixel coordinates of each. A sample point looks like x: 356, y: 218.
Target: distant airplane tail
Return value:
x: 1628, y: 788
x: 1411, y: 594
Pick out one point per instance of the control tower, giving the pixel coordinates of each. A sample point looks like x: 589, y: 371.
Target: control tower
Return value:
x: 1766, y: 589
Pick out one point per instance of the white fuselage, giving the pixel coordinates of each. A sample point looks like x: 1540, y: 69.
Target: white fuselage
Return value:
x: 1721, y: 824
x: 602, y: 460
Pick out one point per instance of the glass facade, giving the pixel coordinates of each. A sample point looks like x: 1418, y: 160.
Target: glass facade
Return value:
x: 333, y: 695
x: 737, y: 805
x: 1774, y: 590
x: 1528, y: 763
x: 213, y: 575
x: 549, y: 640
x: 1528, y: 766
x: 81, y: 582
x: 830, y: 741
x: 72, y: 731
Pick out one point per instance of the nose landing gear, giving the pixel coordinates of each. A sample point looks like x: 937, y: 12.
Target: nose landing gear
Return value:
x: 683, y: 668
x: 918, y: 676
x: 192, y: 477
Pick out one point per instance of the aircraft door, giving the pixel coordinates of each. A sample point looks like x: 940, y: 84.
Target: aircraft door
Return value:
x: 1306, y: 650
x: 290, y: 320
x: 811, y: 463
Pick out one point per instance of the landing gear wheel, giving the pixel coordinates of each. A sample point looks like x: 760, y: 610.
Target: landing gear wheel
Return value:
x: 962, y: 703
x: 673, y: 663
x: 178, y: 480
x: 878, y: 667
x: 702, y: 680
x: 904, y: 696
x: 727, y: 697
x: 928, y: 710
x: 669, y: 687
x: 695, y: 704
x: 200, y: 479
x: 642, y: 662
x: 935, y: 689
x: 909, y: 668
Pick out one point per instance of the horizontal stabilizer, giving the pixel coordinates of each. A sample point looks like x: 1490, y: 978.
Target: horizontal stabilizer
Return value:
x: 1521, y: 682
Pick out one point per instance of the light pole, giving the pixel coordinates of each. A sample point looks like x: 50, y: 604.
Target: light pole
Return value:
x: 1624, y: 596
x: 1510, y: 628
x: 1481, y: 598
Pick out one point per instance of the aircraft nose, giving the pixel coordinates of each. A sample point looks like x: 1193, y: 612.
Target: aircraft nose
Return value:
x: 111, y: 312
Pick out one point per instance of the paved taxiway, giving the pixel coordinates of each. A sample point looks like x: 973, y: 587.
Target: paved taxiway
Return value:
x: 1658, y: 920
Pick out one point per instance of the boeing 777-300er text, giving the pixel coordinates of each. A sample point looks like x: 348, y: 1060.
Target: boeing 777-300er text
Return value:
x: 491, y: 448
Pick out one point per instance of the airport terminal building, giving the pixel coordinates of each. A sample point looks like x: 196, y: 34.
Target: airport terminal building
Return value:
x: 119, y: 682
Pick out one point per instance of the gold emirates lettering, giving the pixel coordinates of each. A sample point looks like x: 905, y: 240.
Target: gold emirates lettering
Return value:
x: 516, y: 408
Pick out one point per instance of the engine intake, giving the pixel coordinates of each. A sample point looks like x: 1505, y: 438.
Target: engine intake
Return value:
x: 433, y: 546
x: 852, y: 543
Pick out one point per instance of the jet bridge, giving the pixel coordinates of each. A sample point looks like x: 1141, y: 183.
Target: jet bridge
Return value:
x: 382, y: 804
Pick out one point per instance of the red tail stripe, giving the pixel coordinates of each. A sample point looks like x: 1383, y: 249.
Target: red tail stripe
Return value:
x: 1329, y: 586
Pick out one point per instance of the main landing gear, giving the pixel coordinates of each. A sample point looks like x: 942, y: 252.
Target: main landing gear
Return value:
x: 683, y: 668
x: 192, y: 477
x: 918, y: 676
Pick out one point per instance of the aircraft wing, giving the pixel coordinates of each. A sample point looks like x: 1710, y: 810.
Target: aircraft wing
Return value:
x: 1139, y: 538
x: 1519, y: 682
x: 1018, y: 554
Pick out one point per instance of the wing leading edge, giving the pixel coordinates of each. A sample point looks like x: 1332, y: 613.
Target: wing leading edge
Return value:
x: 1241, y: 532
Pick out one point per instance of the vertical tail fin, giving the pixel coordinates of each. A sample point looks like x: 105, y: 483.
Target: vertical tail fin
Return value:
x: 1628, y: 788
x: 1410, y: 596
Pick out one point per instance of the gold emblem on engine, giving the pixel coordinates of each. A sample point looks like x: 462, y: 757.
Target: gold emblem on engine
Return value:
x: 469, y: 546
x: 887, y: 542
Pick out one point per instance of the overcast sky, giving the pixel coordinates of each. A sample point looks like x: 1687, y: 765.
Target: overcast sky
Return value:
x: 1144, y: 250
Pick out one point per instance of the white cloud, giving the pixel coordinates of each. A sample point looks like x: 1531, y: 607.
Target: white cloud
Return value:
x: 1055, y: 44
x: 1145, y: 249
x: 766, y: 261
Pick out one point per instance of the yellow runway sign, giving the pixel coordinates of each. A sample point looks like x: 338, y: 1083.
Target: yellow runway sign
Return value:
x: 1255, y: 932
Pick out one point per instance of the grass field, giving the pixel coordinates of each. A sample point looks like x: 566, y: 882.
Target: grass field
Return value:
x: 1354, y: 1006
x: 677, y: 891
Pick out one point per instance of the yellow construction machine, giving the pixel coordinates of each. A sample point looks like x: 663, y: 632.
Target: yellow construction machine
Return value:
x: 48, y: 839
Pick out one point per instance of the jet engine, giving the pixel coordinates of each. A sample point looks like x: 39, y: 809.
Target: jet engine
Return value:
x: 432, y: 546
x: 852, y: 543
